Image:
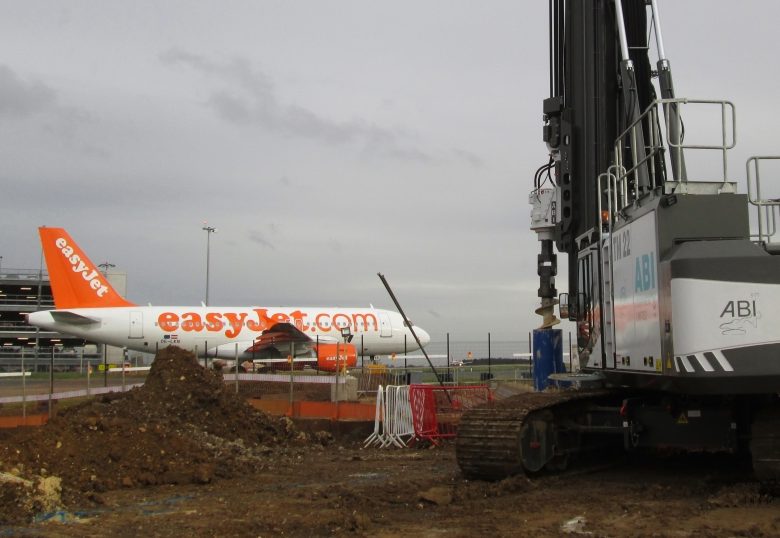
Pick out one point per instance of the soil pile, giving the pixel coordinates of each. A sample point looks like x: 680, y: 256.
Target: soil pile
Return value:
x: 183, y: 426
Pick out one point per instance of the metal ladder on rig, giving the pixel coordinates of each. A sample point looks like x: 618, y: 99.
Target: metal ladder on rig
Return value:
x: 607, y: 263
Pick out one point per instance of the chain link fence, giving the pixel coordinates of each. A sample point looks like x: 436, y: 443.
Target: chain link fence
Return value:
x: 52, y: 377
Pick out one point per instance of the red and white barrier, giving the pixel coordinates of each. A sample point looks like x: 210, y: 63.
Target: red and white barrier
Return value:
x: 436, y: 410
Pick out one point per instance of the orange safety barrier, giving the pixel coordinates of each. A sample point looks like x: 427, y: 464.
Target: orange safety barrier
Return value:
x: 436, y: 410
x: 29, y: 420
x: 305, y: 409
x: 342, y: 411
x: 273, y: 407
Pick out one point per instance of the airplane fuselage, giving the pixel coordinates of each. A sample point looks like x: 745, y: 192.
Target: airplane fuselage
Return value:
x: 216, y: 330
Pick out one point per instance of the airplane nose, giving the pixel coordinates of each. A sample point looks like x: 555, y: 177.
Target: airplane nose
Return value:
x: 422, y: 335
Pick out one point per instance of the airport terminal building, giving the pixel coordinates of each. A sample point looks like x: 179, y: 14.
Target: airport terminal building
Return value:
x: 23, y: 291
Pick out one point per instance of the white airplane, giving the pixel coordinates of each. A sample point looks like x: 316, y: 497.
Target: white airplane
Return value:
x: 88, y: 307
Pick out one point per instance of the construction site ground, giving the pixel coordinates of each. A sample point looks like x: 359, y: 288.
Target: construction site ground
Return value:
x: 184, y: 458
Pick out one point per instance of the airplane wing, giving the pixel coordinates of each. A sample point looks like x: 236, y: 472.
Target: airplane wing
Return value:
x: 285, y: 333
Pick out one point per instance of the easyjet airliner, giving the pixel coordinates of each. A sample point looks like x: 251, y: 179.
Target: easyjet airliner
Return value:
x: 88, y: 307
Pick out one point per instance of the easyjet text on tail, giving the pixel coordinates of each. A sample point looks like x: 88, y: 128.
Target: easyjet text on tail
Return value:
x: 75, y: 280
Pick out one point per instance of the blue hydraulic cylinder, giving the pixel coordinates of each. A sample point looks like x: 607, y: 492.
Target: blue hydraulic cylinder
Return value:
x: 547, y: 356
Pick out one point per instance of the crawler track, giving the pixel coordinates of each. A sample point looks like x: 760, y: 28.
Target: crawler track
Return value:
x: 513, y: 436
x: 765, y: 444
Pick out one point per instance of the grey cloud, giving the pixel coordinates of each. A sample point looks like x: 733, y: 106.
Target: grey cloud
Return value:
x: 469, y: 157
x: 231, y: 108
x: 37, y: 102
x: 21, y: 99
x: 66, y: 121
x: 252, y: 100
x: 238, y: 69
x: 406, y: 154
x: 258, y: 238
x: 95, y: 152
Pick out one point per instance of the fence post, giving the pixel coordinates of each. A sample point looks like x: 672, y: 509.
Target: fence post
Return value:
x: 235, y: 368
x: 448, y: 351
x: 24, y: 390
x: 290, y: 363
x: 51, y: 378
x: 489, y: 358
x: 338, y: 396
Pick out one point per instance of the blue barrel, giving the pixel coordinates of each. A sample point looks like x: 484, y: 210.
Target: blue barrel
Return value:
x: 547, y: 356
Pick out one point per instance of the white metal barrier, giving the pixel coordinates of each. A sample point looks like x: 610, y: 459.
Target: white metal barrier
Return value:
x: 376, y: 435
x: 393, y: 423
x: 67, y: 394
x: 91, y: 391
x: 285, y: 378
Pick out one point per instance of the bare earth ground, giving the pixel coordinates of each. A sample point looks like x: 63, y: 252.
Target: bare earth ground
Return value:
x: 282, y: 482
x: 419, y: 492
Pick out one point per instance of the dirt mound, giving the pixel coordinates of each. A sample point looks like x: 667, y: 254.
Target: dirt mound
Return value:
x: 21, y: 498
x: 183, y: 426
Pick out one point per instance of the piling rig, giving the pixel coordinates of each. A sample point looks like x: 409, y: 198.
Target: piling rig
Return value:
x: 676, y: 303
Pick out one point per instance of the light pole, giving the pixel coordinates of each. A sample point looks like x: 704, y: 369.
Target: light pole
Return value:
x: 105, y: 266
x: 209, y: 230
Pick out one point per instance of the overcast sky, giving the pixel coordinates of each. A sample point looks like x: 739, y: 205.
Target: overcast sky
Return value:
x: 326, y: 140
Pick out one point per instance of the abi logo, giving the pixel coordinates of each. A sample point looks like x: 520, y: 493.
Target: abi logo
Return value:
x: 739, y: 315
x: 740, y: 309
x: 644, y: 276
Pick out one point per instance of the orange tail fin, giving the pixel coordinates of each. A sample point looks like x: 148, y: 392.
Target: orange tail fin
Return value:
x: 75, y: 280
